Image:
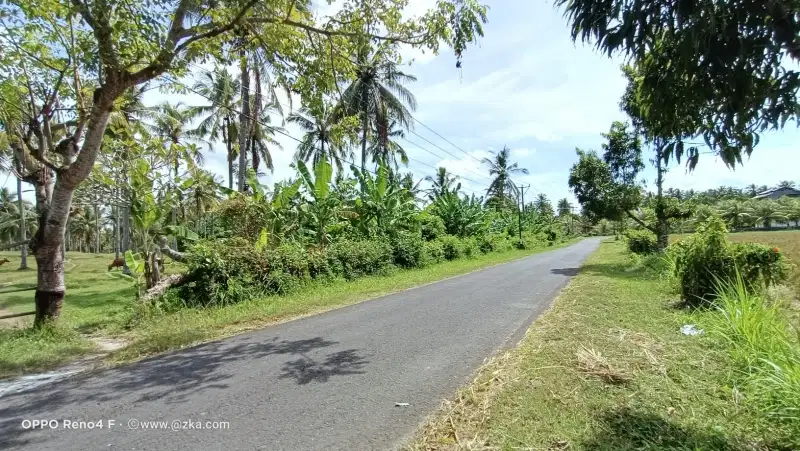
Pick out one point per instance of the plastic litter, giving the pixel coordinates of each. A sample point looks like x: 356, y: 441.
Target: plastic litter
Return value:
x: 691, y: 329
x: 401, y: 404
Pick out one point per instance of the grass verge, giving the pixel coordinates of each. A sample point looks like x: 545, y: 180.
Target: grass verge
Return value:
x: 100, y: 305
x: 606, y: 368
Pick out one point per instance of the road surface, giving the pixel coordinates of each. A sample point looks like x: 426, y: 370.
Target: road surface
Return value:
x: 325, y: 382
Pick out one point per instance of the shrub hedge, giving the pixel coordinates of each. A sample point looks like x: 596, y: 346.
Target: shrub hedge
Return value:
x: 641, y: 242
x: 231, y: 270
x: 706, y: 260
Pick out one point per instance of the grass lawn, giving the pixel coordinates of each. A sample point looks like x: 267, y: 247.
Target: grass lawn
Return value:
x: 101, y: 305
x: 607, y: 368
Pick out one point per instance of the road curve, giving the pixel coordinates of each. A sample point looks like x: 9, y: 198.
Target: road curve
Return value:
x: 325, y: 382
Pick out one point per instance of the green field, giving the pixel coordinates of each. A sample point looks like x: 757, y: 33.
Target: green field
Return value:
x: 101, y: 305
x: 607, y: 368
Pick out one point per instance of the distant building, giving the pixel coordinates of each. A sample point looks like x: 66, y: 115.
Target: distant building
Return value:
x: 777, y: 193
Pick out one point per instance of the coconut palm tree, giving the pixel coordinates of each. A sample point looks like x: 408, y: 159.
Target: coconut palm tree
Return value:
x: 221, y: 88
x: 320, y: 141
x: 735, y: 213
x: 386, y: 150
x: 378, y: 92
x: 442, y: 183
x: 543, y: 206
x: 751, y: 190
x: 564, y: 207
x: 786, y: 184
x: 262, y: 135
x: 767, y: 211
x: 500, y: 166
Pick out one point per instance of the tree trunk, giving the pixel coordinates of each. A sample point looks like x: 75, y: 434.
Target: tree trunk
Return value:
x: 363, y: 142
x: 662, y: 228
x: 244, y: 119
x: 117, y: 238
x: 226, y: 135
x: 97, y: 229
x: 23, y: 232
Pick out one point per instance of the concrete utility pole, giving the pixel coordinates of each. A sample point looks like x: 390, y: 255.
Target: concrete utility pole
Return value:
x: 521, y: 190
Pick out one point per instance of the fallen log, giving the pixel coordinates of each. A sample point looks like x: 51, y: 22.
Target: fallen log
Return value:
x: 163, y: 285
x: 169, y: 252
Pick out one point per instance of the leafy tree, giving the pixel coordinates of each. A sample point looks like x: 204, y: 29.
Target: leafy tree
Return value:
x: 384, y: 205
x: 442, y: 184
x: 735, y: 213
x: 785, y: 184
x: 752, y: 190
x: 324, y: 208
x: 126, y: 45
x: 502, y: 188
x: 222, y: 90
x: 462, y: 216
x: 564, y: 207
x: 768, y: 212
x: 723, y: 68
x: 543, y: 205
x: 323, y: 138
x: 376, y: 94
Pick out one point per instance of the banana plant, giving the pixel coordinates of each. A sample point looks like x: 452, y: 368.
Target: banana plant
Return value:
x: 323, y: 210
x: 384, y: 204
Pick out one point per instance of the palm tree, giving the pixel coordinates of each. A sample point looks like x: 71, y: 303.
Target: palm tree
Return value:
x: 791, y: 207
x: 564, y: 207
x: 221, y: 88
x: 543, y: 206
x: 500, y: 166
x: 262, y: 135
x: 768, y: 211
x: 442, y: 183
x: 786, y: 184
x: 171, y: 122
x: 751, y: 190
x: 319, y: 142
x: 736, y: 213
x: 384, y: 149
x: 378, y: 92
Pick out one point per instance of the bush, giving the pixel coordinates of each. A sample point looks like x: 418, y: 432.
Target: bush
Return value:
x: 407, y: 250
x: 493, y: 242
x: 358, y: 258
x: 641, y: 242
x: 706, y: 259
x: 432, y: 252
x: 469, y: 247
x: 432, y: 226
x: 452, y: 247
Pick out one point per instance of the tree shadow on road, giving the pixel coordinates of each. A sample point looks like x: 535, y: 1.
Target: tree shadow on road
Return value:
x: 306, y: 369
x: 170, y: 378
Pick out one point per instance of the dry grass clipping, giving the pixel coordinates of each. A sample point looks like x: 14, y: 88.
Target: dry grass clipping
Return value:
x: 456, y: 426
x: 591, y: 361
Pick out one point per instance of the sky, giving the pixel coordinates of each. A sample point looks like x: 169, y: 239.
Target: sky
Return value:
x: 527, y: 86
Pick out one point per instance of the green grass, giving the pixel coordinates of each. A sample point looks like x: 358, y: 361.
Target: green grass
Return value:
x: 607, y: 368
x: 101, y: 305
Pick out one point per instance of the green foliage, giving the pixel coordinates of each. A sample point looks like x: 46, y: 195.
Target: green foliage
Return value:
x: 432, y: 252
x: 452, y: 247
x: 407, y: 250
x: 431, y: 226
x: 706, y: 259
x: 462, y: 216
x: 641, y: 241
x: 759, y: 341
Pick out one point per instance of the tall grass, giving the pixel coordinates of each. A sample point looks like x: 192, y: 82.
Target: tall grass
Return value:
x: 765, y: 349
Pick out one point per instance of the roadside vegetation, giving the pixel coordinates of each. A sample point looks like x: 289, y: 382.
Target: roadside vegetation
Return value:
x: 608, y: 368
x: 104, y: 309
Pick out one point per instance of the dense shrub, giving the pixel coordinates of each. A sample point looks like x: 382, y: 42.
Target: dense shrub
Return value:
x: 493, y: 242
x: 407, y: 250
x: 706, y: 260
x: 432, y: 252
x: 641, y: 242
x: 361, y: 257
x: 452, y: 247
x: 432, y: 226
x: 469, y: 247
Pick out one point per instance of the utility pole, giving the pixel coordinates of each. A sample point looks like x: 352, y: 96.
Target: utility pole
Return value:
x: 521, y: 190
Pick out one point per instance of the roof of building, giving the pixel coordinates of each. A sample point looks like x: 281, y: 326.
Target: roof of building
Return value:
x: 782, y: 191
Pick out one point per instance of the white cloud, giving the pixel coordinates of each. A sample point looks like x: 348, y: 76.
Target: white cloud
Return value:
x: 522, y: 152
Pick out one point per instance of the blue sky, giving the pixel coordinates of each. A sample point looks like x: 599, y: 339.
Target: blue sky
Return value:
x: 526, y: 85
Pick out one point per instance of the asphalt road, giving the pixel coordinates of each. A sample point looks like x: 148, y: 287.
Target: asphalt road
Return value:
x: 325, y: 382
